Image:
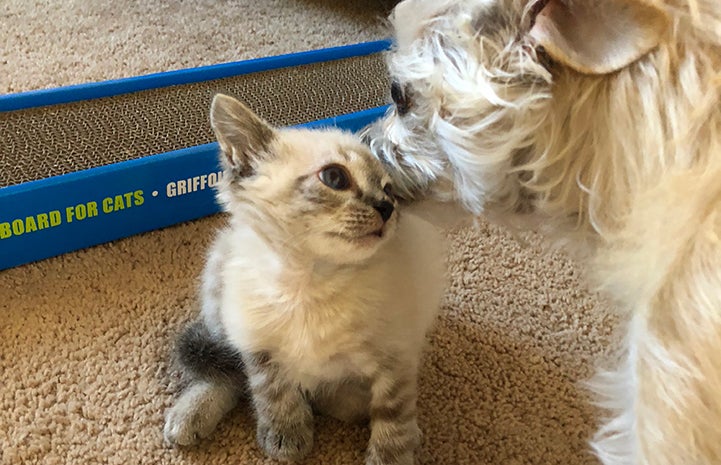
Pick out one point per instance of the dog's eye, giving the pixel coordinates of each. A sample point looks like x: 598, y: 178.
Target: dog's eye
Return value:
x: 400, y: 98
x: 335, y: 176
x: 388, y: 189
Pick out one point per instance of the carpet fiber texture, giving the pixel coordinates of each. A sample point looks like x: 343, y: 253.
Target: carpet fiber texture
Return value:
x: 85, y: 338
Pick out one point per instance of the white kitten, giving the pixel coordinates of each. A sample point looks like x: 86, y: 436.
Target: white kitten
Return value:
x: 317, y: 297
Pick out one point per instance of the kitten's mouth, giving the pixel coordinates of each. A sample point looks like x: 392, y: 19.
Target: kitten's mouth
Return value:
x: 378, y: 233
x: 367, y: 238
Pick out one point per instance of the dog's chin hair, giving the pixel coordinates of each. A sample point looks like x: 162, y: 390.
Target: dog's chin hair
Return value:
x: 416, y: 176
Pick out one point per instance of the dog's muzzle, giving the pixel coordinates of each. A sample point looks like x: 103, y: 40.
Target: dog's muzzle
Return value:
x: 405, y: 182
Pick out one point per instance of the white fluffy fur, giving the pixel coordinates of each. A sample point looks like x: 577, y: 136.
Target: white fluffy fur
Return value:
x: 627, y: 162
x: 292, y: 289
x: 308, y: 311
x: 292, y: 283
x: 318, y: 287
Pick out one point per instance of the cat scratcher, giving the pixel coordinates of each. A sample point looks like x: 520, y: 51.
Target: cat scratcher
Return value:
x: 87, y: 164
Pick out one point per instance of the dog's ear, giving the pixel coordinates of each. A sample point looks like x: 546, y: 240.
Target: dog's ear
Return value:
x: 410, y: 17
x: 597, y: 37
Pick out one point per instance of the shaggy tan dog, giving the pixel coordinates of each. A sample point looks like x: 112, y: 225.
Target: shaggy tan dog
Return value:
x: 602, y: 119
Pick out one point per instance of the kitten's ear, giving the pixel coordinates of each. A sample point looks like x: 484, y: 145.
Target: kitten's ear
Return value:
x: 597, y: 37
x: 242, y: 135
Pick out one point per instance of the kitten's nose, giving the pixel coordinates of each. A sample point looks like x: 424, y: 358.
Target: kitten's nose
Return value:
x: 385, y: 209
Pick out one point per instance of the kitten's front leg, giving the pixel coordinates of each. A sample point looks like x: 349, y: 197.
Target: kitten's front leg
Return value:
x: 394, y: 429
x: 216, y: 384
x: 285, y: 418
x: 198, y: 411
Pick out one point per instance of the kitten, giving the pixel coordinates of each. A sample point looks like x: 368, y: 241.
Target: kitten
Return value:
x: 316, y: 298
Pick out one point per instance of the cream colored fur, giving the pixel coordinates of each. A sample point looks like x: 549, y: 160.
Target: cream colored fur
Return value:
x: 296, y: 281
x: 626, y: 164
x: 316, y: 297
x: 321, y: 320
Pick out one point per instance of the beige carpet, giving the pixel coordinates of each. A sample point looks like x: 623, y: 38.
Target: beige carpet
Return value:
x: 84, y: 338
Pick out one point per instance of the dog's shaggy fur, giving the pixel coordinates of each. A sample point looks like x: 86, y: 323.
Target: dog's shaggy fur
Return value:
x: 602, y: 118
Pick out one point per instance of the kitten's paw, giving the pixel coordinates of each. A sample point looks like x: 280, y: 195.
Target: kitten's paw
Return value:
x: 395, y: 449
x: 403, y: 459
x: 291, y: 442
x: 185, y: 427
x: 196, y: 414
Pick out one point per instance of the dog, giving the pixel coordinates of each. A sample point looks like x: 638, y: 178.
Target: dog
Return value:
x: 598, y: 122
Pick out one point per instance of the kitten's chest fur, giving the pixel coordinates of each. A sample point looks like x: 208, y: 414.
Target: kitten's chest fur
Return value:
x: 319, y: 321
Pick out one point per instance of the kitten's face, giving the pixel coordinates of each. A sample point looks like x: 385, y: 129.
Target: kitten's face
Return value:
x: 319, y: 192
x: 325, y: 193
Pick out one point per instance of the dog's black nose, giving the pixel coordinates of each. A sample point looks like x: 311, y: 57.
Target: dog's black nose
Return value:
x: 385, y: 209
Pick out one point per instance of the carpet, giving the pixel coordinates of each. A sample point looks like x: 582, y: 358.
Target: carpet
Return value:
x: 85, y: 337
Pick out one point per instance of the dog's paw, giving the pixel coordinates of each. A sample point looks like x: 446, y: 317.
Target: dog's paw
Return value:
x: 290, y: 442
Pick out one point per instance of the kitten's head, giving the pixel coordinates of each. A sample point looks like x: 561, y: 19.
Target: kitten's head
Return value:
x: 320, y: 193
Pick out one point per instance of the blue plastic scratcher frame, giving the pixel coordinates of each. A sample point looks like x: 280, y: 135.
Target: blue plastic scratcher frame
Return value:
x: 52, y: 216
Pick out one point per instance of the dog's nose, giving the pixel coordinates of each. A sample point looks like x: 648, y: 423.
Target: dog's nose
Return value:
x: 385, y: 209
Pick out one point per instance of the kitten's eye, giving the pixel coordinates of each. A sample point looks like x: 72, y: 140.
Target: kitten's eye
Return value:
x: 399, y: 97
x: 388, y: 189
x: 335, y: 176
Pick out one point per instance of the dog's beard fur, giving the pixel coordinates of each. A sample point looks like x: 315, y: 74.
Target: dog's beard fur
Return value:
x: 631, y: 158
x: 462, y: 136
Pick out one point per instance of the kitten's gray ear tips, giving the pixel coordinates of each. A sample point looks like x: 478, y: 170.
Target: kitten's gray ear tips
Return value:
x: 242, y: 135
